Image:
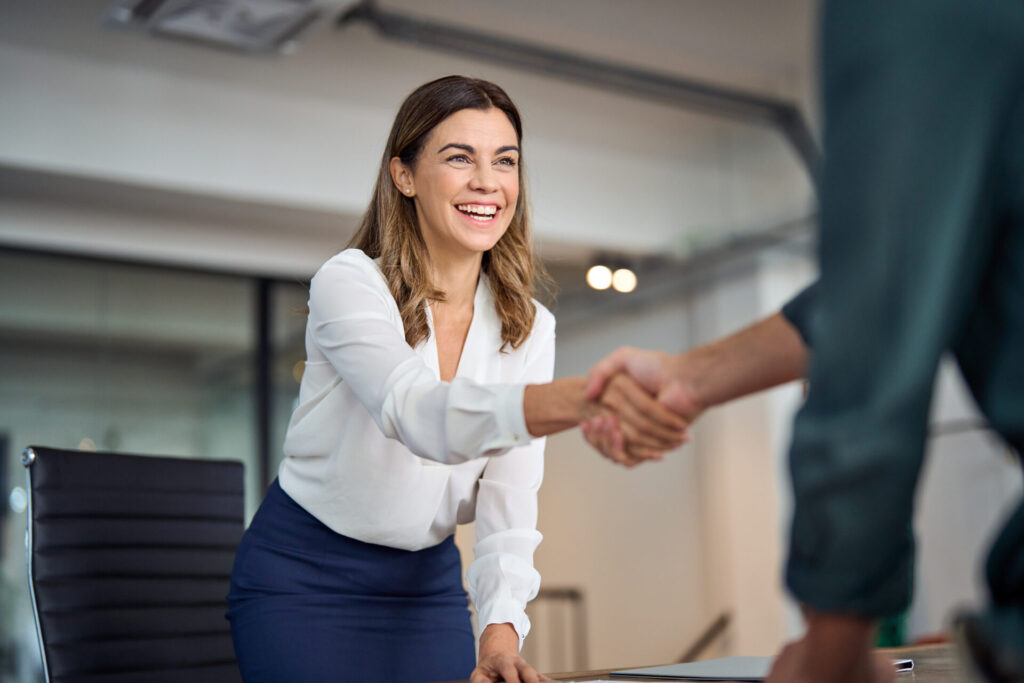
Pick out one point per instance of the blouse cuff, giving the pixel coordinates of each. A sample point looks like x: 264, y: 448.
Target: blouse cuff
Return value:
x: 481, y: 420
x: 504, y: 612
x: 502, y: 580
x: 511, y: 413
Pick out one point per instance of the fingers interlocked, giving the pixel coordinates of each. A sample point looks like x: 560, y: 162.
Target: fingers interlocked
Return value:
x: 629, y: 426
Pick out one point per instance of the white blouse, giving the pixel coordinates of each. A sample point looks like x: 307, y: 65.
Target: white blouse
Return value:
x: 381, y: 450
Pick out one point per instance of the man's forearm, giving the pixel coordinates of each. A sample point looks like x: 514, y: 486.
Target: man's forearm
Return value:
x: 764, y: 355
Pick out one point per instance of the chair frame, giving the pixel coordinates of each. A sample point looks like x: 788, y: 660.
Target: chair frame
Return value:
x: 28, y: 458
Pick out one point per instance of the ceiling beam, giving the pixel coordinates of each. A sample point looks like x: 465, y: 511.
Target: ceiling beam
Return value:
x: 685, y: 93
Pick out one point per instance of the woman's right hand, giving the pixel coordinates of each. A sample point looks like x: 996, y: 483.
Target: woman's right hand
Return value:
x: 624, y: 422
x: 629, y: 425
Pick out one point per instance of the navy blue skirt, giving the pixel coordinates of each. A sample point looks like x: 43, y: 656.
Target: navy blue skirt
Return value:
x: 308, y: 604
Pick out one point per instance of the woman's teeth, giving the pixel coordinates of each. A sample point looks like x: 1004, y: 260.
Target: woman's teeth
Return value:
x: 478, y: 211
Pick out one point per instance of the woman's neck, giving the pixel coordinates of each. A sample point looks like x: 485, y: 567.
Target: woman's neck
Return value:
x: 457, y: 278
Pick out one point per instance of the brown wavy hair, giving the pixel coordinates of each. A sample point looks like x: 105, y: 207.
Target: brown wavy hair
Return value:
x: 390, y: 230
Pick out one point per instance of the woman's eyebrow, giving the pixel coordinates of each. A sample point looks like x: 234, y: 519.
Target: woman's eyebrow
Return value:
x: 471, y: 150
x: 458, y: 145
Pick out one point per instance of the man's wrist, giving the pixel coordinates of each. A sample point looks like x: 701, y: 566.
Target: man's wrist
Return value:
x: 838, y: 642
x: 840, y: 627
x: 694, y: 371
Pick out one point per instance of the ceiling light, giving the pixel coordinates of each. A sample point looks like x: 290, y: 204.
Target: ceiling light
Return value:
x: 624, y: 280
x: 599, y: 277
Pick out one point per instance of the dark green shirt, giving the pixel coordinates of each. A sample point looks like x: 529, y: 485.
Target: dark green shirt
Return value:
x: 922, y: 253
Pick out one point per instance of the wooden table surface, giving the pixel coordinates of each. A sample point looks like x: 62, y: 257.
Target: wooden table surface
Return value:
x: 932, y: 664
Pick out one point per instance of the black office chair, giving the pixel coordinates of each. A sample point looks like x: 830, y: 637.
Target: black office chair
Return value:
x: 129, y: 561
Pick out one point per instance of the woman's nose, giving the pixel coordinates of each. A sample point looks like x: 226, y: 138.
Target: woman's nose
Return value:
x: 484, y: 179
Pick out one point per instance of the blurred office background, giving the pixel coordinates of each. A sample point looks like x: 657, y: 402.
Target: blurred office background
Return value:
x: 163, y: 203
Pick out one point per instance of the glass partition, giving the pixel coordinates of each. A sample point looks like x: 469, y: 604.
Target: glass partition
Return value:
x: 97, y: 355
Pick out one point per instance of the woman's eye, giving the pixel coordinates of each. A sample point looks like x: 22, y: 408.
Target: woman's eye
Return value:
x: 459, y: 158
x: 507, y: 161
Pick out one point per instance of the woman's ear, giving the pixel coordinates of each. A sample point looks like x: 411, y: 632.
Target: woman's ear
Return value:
x: 402, y: 177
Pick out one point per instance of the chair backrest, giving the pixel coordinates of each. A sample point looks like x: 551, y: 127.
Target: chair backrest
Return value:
x: 129, y: 565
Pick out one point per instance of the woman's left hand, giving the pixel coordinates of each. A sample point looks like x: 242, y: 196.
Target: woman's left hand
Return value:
x: 500, y: 660
x: 505, y: 666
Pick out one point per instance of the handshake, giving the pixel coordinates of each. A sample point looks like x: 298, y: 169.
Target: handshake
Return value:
x: 638, y: 404
x: 634, y: 405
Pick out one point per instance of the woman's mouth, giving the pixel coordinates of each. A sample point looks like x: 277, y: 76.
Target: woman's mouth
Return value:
x: 481, y: 213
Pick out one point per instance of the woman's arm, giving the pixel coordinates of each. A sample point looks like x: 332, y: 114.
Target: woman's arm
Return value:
x: 646, y: 427
x: 502, y: 578
x: 354, y: 323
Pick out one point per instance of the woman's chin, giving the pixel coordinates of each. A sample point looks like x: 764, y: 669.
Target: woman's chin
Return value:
x: 481, y: 243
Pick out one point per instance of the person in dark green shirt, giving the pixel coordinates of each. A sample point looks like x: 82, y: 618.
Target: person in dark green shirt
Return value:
x: 921, y: 254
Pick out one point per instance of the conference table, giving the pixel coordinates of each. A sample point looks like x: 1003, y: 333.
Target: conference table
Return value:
x: 932, y: 664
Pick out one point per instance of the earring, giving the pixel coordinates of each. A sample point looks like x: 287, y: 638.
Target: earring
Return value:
x: 408, y: 190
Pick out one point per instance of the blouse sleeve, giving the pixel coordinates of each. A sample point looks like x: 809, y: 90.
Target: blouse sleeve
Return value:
x: 351, y: 319
x: 502, y: 579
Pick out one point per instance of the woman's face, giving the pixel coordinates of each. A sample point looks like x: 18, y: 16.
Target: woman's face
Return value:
x: 465, y: 182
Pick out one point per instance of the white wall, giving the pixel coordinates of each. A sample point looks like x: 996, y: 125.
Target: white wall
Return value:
x: 739, y: 488
x: 629, y: 538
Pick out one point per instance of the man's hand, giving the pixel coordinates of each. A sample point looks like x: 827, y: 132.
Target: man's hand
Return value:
x: 660, y: 374
x: 629, y: 426
x: 500, y: 660
x: 835, y: 649
x: 661, y: 377
x: 758, y: 357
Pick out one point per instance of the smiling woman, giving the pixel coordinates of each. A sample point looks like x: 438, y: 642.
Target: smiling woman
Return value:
x: 454, y: 150
x: 428, y: 378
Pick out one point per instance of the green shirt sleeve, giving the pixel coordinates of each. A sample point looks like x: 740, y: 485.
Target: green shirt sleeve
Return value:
x: 916, y: 98
x: 798, y: 312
